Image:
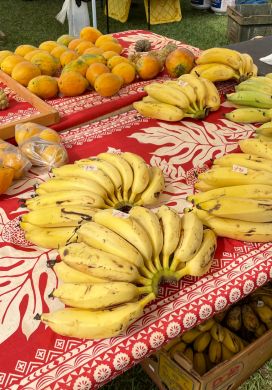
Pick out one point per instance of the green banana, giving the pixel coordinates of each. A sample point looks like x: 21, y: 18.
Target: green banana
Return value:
x: 250, y: 99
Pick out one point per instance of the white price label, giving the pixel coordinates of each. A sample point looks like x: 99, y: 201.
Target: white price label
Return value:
x: 89, y: 168
x: 239, y: 169
x: 182, y: 83
x: 120, y: 214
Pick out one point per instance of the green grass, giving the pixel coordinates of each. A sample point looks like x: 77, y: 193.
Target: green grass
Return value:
x: 34, y: 21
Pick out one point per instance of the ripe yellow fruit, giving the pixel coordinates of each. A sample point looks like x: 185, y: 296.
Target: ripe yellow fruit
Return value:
x: 72, y: 83
x: 53, y: 155
x: 96, y: 70
x: 92, y: 58
x: 108, y: 84
x: 4, y: 54
x: 65, y: 39
x: 9, y: 63
x: 25, y: 131
x: 90, y: 34
x: 105, y: 38
x: 48, y: 45
x: 46, y: 63
x: 30, y: 54
x: 112, y: 46
x: 77, y: 65
x: 67, y: 57
x: 126, y: 71
x: 115, y: 60
x: 25, y: 71
x: 46, y: 87
x: 50, y: 135
x: 58, y: 51
x: 22, y: 50
x: 93, y: 50
x: 82, y: 46
x: 108, y: 54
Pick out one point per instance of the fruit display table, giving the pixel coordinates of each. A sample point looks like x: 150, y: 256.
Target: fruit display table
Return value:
x: 31, y: 355
x: 80, y: 109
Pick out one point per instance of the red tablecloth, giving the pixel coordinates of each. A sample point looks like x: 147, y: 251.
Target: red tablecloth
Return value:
x: 79, y: 109
x: 31, y: 355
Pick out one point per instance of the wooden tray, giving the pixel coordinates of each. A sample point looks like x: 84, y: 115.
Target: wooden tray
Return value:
x: 46, y: 115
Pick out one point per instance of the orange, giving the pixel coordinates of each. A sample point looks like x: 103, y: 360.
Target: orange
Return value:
x: 46, y: 87
x: 112, y: 46
x: 73, y: 44
x: 92, y: 58
x: 115, y: 60
x: 93, y: 50
x: 50, y: 135
x: 72, y: 83
x: 22, y: 50
x: 77, y: 65
x: 126, y: 71
x: 108, y: 54
x: 47, y: 63
x: 105, y: 38
x: 95, y: 70
x: 4, y: 54
x: 65, y: 39
x: 9, y: 63
x: 25, y: 131
x: 67, y: 57
x: 108, y: 84
x: 148, y: 67
x: 90, y: 34
x: 30, y: 54
x: 48, y: 45
x: 24, y: 71
x: 57, y: 51
x: 82, y: 46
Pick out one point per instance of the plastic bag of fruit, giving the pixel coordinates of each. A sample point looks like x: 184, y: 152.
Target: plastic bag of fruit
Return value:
x: 41, y: 145
x: 11, y: 157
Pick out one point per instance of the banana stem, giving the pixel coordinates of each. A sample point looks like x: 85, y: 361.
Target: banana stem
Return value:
x: 109, y: 202
x: 144, y: 290
x: 150, y: 266
x: 181, y: 273
x: 145, y: 300
x: 144, y: 281
x: 174, y: 264
x: 165, y: 261
x: 146, y: 272
x: 119, y: 197
x: 158, y: 263
x: 132, y: 197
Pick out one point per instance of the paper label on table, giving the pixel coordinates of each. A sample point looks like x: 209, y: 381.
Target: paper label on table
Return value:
x: 89, y: 168
x: 239, y: 169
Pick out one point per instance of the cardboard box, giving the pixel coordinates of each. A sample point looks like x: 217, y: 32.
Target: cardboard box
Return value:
x: 178, y: 373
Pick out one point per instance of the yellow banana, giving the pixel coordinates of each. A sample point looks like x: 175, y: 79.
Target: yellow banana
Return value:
x: 252, y: 191
x: 59, y: 216
x: 190, y: 336
x: 238, y: 230
x: 201, y: 185
x: 231, y: 341
x: 150, y: 223
x: 186, y: 88
x: 126, y: 227
x: 51, y: 238
x: 206, y: 325
x: 56, y: 184
x: 217, y: 332
x: 98, y: 296
x: 70, y: 275
x: 244, y: 160
x: 177, y: 348
x: 257, y: 147
x: 199, y: 363
x: 212, y: 99
x: 189, y: 354
x: 201, y: 262
x: 202, y: 341
x: 249, y: 115
x: 221, y: 55
x: 246, y: 65
x: 264, y: 138
x: 87, y: 172
x: 140, y: 174
x: 243, y: 209
x: 74, y: 322
x: 166, y: 94
x: 159, y: 110
x: 226, y: 353
x: 228, y: 176
x: 260, y: 330
x: 190, y: 240
x: 98, y: 263
x: 263, y: 311
x: 198, y: 87
x: 171, y: 226
x: 215, y: 351
x: 257, y: 85
x: 149, y: 99
x: 100, y: 237
x: 109, y: 169
x: 153, y: 190
x: 234, y: 318
x: 217, y: 72
x: 254, y: 70
x: 266, y: 131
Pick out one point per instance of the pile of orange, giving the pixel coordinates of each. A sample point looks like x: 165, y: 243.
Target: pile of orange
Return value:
x: 71, y: 65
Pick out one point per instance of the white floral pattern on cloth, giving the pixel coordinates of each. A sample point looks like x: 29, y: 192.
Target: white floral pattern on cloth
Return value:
x: 189, y: 320
x: 173, y: 329
x: 235, y: 294
x: 220, y: 303
x: 82, y: 383
x: 156, y: 339
x: 139, y: 350
x: 205, y: 311
x: 102, y: 372
x: 248, y: 286
x: 120, y: 361
x: 261, y: 279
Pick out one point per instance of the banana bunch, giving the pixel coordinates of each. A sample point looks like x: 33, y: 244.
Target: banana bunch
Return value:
x: 220, y: 64
x: 114, y: 269
x: 264, y: 132
x: 70, y: 198
x: 188, y: 96
x: 236, y: 197
x: 253, y: 96
x: 252, y: 316
x: 206, y: 345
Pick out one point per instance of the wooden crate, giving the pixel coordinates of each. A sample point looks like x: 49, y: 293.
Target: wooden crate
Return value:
x: 46, y: 115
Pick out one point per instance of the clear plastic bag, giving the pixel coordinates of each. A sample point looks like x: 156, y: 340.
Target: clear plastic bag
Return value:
x: 11, y: 157
x: 25, y: 131
x: 44, y: 153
